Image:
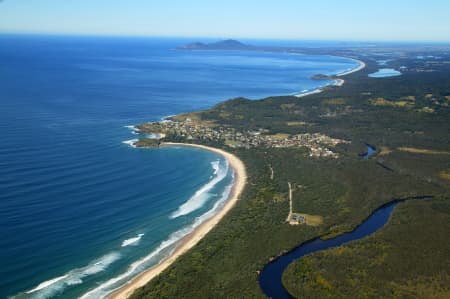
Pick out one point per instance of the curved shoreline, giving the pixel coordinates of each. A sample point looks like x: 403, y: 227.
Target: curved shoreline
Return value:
x: 193, y: 238
x: 362, y: 65
x: 338, y: 81
x: 369, y: 226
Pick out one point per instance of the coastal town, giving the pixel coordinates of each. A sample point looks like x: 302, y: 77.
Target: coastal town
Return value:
x: 188, y: 130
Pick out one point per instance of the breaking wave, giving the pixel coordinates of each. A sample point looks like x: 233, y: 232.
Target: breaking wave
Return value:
x: 166, y: 248
x: 130, y: 142
x: 202, y: 195
x: 134, y: 130
x: 132, y: 241
x: 54, y: 286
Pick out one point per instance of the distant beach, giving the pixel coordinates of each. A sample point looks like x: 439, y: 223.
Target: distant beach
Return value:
x: 193, y: 238
x: 77, y: 154
x: 337, y: 82
x: 360, y: 67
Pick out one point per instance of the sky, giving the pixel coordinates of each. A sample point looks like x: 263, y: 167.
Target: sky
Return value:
x: 362, y: 20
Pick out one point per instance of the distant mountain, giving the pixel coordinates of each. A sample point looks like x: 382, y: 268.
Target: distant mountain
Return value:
x: 229, y: 44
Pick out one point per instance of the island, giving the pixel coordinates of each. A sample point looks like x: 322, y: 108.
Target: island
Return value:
x: 306, y: 178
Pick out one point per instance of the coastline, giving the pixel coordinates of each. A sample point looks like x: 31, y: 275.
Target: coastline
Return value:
x: 338, y: 81
x: 361, y: 66
x: 193, y: 238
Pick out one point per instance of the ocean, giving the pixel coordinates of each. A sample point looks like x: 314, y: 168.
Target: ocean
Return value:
x: 82, y: 212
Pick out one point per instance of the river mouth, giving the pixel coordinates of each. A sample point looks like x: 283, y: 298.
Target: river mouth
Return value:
x: 270, y: 278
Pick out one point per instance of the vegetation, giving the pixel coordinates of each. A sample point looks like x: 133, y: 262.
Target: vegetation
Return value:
x: 147, y: 142
x: 423, y: 151
x: 408, y: 258
x: 344, y: 191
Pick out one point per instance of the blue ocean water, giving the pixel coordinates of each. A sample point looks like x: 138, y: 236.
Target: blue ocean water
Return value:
x: 80, y: 211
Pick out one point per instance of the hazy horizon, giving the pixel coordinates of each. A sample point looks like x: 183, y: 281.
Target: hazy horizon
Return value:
x: 208, y: 39
x: 347, y: 20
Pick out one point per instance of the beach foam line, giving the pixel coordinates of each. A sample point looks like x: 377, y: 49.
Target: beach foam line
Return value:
x: 167, y: 245
x: 337, y: 82
x: 54, y: 286
x: 304, y: 94
x: 202, y: 195
x: 132, y: 241
x: 362, y: 65
x: 45, y: 284
x: 201, y: 226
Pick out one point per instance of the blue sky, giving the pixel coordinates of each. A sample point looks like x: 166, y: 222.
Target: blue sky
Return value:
x: 413, y: 20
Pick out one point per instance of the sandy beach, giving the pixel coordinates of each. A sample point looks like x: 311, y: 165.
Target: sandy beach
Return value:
x: 193, y: 238
x: 360, y: 67
x: 338, y: 82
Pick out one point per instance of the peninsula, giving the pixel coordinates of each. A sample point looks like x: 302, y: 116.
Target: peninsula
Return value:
x: 303, y: 158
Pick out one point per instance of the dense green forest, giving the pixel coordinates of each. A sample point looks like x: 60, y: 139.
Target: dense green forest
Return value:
x: 408, y: 258
x: 407, y: 118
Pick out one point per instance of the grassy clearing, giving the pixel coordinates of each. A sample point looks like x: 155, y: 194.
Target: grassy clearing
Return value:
x: 384, y: 150
x: 279, y: 136
x: 388, y: 103
x: 296, y: 123
x: 422, y: 151
x: 337, y: 101
x: 445, y: 174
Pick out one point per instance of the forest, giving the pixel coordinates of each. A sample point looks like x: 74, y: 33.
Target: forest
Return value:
x: 406, y: 118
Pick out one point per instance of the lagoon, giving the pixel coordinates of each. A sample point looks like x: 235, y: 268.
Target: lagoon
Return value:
x: 385, y: 72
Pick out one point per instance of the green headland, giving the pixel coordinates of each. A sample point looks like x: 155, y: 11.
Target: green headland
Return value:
x: 303, y: 158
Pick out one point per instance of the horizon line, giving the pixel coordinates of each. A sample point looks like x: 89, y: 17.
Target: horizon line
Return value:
x: 118, y: 35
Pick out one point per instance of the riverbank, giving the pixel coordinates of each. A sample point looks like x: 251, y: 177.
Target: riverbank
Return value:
x: 344, y: 191
x: 193, y: 238
x: 337, y: 82
x: 414, y: 229
x: 271, y: 277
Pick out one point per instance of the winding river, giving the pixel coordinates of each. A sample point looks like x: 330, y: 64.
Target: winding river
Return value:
x: 270, y: 279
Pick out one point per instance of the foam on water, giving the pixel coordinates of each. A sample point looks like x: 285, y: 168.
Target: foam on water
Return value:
x: 45, y: 284
x: 202, y: 195
x: 75, y: 154
x: 133, y: 129
x: 130, y: 142
x: 54, y: 286
x: 216, y: 166
x: 164, y: 249
x: 132, y: 241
